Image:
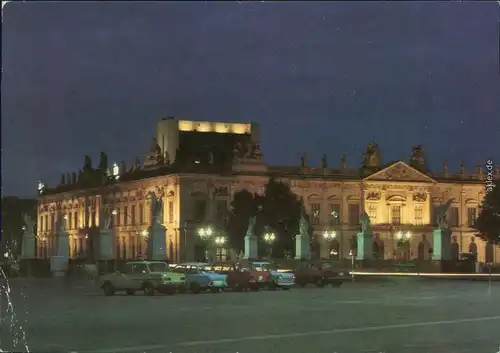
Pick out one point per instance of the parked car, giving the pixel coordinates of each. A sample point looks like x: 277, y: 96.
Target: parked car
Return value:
x: 147, y: 276
x: 241, y: 276
x: 277, y: 278
x: 200, y: 277
x: 320, y: 273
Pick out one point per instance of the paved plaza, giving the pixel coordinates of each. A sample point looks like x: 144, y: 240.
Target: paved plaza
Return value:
x: 399, y: 316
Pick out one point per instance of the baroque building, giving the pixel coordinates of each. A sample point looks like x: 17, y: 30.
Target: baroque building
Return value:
x: 197, y: 167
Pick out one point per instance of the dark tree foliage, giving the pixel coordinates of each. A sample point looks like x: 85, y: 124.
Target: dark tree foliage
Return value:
x: 243, y: 207
x: 12, y: 221
x: 280, y: 210
x: 488, y: 222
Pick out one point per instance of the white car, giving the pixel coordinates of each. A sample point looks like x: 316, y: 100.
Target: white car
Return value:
x: 278, y: 279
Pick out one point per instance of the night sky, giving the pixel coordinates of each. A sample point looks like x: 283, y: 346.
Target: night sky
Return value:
x: 80, y: 78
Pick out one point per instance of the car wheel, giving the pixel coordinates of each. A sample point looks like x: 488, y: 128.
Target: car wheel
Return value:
x: 320, y: 283
x: 130, y: 291
x: 109, y: 289
x: 215, y: 290
x: 195, y: 288
x: 149, y: 290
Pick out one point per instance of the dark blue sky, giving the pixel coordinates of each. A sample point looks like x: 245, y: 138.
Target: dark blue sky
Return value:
x: 83, y: 77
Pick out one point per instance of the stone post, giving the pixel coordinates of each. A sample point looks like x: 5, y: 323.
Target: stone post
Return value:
x: 302, y: 247
x: 365, y: 246
x: 157, y: 243
x: 106, y: 244
x: 251, y: 247
x: 28, y: 250
x: 59, y: 262
x: 441, y: 244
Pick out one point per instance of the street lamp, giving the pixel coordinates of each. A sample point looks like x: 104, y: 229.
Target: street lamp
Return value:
x: 351, y: 254
x: 403, y: 241
x: 403, y: 237
x: 220, y: 241
x: 269, y: 237
x: 329, y: 236
x: 205, y: 233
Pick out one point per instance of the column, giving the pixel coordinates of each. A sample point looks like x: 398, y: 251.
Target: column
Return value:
x: 463, y: 210
x: 410, y: 209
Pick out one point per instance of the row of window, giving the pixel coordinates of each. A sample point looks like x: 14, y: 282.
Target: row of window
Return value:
x: 353, y: 213
x: 134, y: 215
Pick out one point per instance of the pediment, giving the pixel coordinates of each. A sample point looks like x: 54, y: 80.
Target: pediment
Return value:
x: 471, y: 202
x: 396, y: 198
x: 400, y: 171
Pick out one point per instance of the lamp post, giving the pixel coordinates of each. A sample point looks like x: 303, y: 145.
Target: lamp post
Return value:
x: 205, y: 233
x: 220, y: 241
x: 269, y: 238
x: 403, y: 241
x: 330, y: 236
x: 351, y: 253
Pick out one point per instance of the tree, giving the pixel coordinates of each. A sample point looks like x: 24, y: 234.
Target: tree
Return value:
x: 13, y: 209
x: 243, y: 207
x: 488, y: 222
x: 280, y: 210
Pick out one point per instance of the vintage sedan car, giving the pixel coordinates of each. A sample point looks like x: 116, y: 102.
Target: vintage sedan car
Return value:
x: 320, y: 273
x: 147, y: 276
x: 277, y: 278
x: 200, y: 277
x: 241, y: 276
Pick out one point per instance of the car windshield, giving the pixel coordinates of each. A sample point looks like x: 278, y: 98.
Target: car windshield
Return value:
x: 179, y: 269
x: 158, y: 267
x: 329, y: 266
x: 265, y: 266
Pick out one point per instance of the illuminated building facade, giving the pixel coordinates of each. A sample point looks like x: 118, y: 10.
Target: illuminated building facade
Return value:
x: 199, y: 166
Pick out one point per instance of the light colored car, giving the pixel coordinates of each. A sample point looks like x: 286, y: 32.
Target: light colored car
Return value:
x: 278, y: 279
x: 147, y: 276
x: 200, y: 277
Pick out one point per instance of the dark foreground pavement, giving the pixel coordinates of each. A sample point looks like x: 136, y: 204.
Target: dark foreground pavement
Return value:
x: 389, y: 317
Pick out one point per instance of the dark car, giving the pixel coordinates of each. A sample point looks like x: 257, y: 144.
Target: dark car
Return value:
x: 241, y: 276
x: 320, y: 273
